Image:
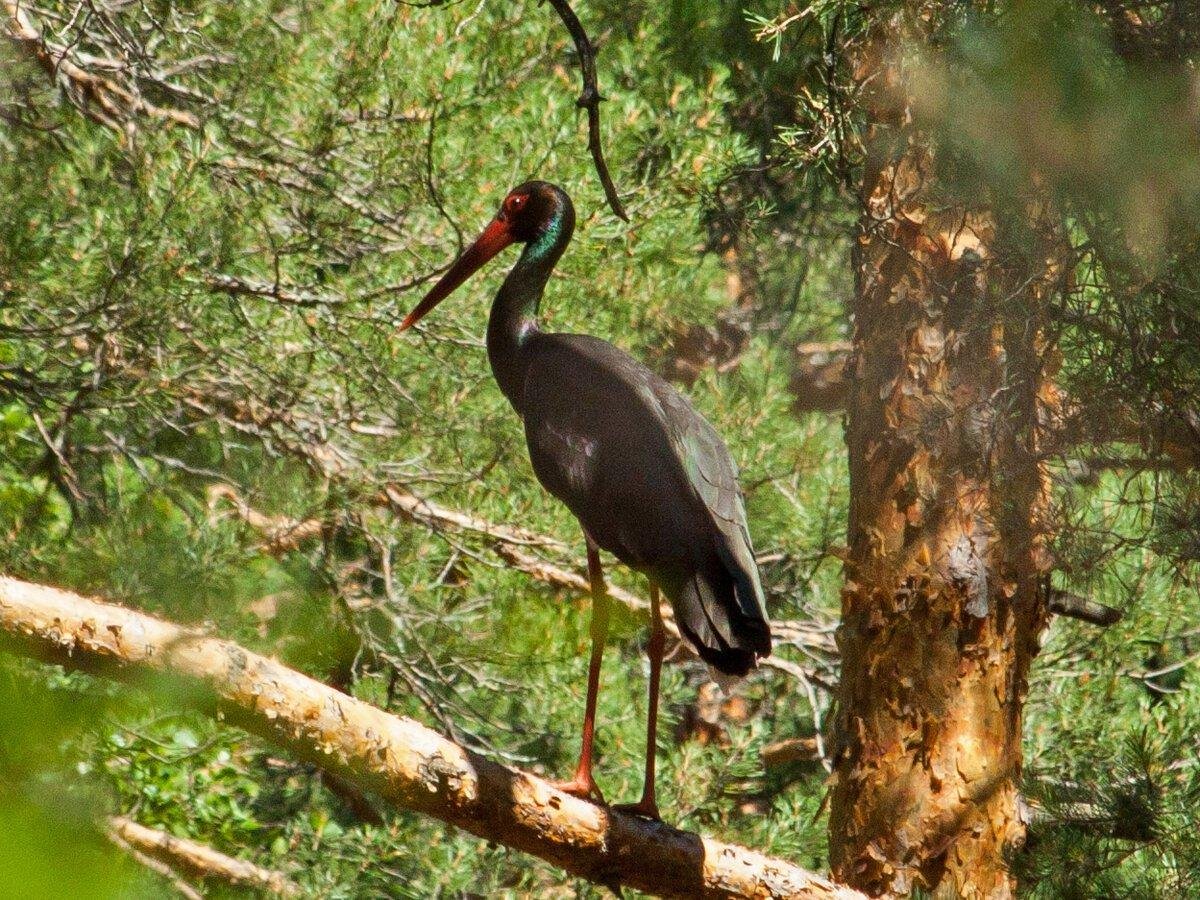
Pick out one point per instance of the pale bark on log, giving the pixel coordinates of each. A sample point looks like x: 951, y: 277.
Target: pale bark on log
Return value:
x: 399, y: 760
x: 199, y: 860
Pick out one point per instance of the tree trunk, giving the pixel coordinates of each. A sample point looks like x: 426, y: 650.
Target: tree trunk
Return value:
x: 944, y: 596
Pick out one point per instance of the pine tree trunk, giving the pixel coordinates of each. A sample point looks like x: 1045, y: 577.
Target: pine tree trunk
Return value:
x: 943, y: 602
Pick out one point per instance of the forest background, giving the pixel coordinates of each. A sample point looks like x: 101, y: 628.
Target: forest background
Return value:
x: 215, y: 217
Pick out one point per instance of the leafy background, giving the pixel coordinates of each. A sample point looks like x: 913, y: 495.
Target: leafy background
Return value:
x: 347, y: 150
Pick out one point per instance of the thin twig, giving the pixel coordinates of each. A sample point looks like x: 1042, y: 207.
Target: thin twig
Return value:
x: 590, y: 100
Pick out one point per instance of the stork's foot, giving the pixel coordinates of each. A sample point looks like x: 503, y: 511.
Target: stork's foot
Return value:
x: 581, y: 786
x: 645, y: 808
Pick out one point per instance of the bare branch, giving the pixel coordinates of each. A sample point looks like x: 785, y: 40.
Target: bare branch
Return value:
x: 789, y: 751
x: 511, y: 543
x: 281, y: 532
x: 1064, y: 603
x: 590, y: 100
x: 433, y: 514
x: 101, y: 98
x: 403, y: 762
x: 198, y: 860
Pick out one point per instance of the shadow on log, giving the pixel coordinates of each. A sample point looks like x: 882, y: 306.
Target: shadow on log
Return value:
x: 403, y: 762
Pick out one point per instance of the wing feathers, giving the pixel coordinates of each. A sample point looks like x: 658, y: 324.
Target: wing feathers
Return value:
x: 661, y: 490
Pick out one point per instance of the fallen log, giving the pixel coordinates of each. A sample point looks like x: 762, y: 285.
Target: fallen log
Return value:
x: 398, y: 759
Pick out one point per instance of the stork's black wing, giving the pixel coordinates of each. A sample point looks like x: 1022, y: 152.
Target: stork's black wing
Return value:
x: 652, y: 482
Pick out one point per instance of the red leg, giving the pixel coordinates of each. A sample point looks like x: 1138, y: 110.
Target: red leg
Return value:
x: 582, y: 784
x: 647, y: 806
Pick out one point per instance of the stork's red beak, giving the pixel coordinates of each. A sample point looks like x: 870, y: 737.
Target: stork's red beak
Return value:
x: 495, y: 238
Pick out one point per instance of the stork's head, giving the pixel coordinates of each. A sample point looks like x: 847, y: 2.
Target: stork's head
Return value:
x: 536, y: 213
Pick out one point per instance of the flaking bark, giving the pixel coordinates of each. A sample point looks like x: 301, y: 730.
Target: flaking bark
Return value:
x: 944, y: 596
x: 401, y: 761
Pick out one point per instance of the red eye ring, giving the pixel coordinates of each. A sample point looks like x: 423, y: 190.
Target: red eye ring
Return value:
x: 516, y: 201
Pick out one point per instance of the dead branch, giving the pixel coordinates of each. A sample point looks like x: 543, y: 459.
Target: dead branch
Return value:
x: 1064, y: 603
x: 403, y: 762
x: 290, y: 433
x: 293, y: 434
x: 282, y: 533
x: 198, y: 860
x: 101, y: 98
x: 427, y: 512
x: 590, y: 99
x: 510, y: 544
x: 789, y: 751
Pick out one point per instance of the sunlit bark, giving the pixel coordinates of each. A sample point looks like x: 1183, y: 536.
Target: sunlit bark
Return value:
x: 943, y: 602
x: 399, y: 760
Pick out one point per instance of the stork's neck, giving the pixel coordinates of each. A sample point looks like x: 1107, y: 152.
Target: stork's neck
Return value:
x: 514, y: 318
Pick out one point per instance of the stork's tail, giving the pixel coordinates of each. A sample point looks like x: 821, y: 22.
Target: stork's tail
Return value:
x: 728, y: 630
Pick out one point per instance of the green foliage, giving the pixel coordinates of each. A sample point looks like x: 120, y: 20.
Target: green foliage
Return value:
x: 183, y: 308
x: 347, y: 148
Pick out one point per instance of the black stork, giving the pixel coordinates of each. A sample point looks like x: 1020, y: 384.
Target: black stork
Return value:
x: 647, y: 476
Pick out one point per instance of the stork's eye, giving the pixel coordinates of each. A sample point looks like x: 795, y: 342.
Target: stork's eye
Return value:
x: 516, y: 203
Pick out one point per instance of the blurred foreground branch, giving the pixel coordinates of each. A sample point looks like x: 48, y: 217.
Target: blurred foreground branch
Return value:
x: 196, y: 859
x: 405, y: 763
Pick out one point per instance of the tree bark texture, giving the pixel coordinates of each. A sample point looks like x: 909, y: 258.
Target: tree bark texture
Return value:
x: 403, y: 762
x: 943, y: 602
